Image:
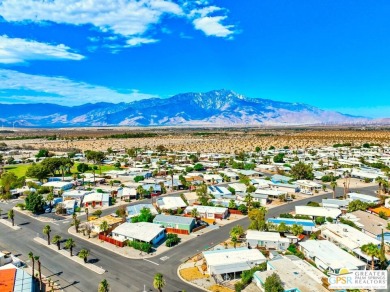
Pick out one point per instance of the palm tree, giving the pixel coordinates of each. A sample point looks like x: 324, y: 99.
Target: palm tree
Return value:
x: 296, y: 229
x: 11, y: 216
x: 77, y: 224
x: 104, y: 227
x: 70, y: 244
x: 57, y: 240
x: 39, y: 269
x: 282, y: 228
x: 82, y: 179
x: 234, y: 240
x: 103, y: 286
x: 50, y: 198
x: 170, y: 172
x: 371, y: 250
x: 248, y: 199
x: 83, y: 254
x: 31, y: 257
x: 333, y: 185
x: 46, y: 231
x: 194, y: 213
x: 87, y: 212
x: 140, y: 191
x: 379, y: 180
x: 158, y: 282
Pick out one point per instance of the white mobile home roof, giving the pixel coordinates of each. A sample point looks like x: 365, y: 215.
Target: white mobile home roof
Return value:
x: 363, y: 198
x: 274, y: 193
x: 317, y: 211
x: 58, y: 184
x: 206, y: 209
x: 143, y: 231
x: 266, y: 236
x: 348, y: 236
x: 232, y: 260
x: 331, y: 254
x: 170, y: 203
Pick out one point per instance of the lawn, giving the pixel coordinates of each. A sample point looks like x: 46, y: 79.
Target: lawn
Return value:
x: 18, y: 169
x: 21, y: 169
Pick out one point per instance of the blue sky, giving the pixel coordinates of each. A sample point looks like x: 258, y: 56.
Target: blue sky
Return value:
x: 331, y: 54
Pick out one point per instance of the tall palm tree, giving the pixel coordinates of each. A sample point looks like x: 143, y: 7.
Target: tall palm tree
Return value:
x: 371, y: 250
x: 234, y: 240
x: 70, y: 244
x: 31, y: 257
x: 248, y: 199
x: 140, y: 191
x: 39, y: 270
x: 87, y: 212
x: 57, y: 240
x: 104, y: 227
x: 104, y: 286
x: 11, y: 216
x: 77, y: 224
x: 83, y: 254
x: 46, y: 231
x: 158, y: 282
x: 379, y: 180
x: 333, y: 185
x: 170, y: 172
x: 50, y: 198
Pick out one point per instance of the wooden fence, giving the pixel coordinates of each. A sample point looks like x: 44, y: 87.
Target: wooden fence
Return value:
x: 111, y: 240
x: 235, y: 212
x: 177, y: 231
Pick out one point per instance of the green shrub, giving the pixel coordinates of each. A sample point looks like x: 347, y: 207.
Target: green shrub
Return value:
x: 172, y: 240
x: 21, y: 206
x: 286, y: 215
x: 97, y: 213
x: 143, y: 246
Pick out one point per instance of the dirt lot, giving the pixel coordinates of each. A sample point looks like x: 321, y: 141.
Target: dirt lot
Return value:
x: 191, y: 274
x: 198, y: 140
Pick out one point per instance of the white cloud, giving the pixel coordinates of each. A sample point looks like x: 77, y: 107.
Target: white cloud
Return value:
x: 211, y: 25
x: 59, y: 90
x: 128, y: 18
x: 16, y: 50
x: 137, y: 41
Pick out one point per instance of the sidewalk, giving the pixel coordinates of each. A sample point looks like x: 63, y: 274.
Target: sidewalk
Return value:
x: 9, y: 224
x: 76, y: 259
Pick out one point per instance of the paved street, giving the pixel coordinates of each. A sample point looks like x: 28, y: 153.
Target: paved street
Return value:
x: 122, y: 274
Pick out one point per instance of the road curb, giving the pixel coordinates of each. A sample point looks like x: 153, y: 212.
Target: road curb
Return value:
x: 91, y: 267
x: 9, y: 224
x: 189, y: 283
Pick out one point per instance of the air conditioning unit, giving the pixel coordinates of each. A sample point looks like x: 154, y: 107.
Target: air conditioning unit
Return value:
x: 345, y: 230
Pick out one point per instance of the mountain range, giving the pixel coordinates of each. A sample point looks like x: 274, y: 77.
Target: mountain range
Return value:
x: 214, y: 108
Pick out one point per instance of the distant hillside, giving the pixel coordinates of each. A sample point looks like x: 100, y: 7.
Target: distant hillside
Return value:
x: 214, y: 108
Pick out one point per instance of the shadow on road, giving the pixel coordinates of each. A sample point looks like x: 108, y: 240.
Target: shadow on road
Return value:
x: 24, y: 223
x: 93, y: 261
x: 71, y: 284
x: 55, y: 274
